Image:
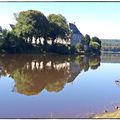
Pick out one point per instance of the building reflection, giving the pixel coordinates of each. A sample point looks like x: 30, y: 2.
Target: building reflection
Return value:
x: 33, y: 73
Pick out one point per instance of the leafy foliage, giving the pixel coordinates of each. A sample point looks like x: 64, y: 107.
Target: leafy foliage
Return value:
x: 58, y: 27
x: 31, y: 24
x: 34, y: 32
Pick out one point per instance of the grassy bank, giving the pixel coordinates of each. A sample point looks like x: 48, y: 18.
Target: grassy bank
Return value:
x: 114, y: 114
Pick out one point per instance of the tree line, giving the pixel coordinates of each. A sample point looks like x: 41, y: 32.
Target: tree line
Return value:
x: 36, y: 33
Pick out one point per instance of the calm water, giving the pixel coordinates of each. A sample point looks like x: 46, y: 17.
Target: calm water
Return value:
x: 34, y: 86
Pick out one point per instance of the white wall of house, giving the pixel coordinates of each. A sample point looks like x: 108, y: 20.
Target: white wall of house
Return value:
x: 76, y: 36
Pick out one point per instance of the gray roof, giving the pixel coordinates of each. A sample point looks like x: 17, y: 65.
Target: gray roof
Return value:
x: 12, y: 26
x: 0, y: 28
x: 74, y: 28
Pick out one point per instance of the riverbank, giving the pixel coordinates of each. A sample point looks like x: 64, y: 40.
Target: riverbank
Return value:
x: 113, y: 114
x: 110, y: 52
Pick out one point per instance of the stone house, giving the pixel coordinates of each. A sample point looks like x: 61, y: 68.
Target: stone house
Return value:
x: 76, y: 36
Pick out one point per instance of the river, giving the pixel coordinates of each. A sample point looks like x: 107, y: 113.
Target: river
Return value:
x: 57, y: 86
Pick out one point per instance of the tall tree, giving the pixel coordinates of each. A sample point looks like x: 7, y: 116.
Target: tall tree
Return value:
x: 96, y: 39
x: 58, y: 27
x: 31, y: 23
x: 87, y: 39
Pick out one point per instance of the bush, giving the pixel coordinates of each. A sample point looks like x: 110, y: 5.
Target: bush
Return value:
x: 94, y: 46
x: 60, y: 49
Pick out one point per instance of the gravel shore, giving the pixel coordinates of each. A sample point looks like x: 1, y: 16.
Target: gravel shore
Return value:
x: 114, y: 114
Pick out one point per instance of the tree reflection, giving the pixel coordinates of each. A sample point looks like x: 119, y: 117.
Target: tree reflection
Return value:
x: 33, y: 73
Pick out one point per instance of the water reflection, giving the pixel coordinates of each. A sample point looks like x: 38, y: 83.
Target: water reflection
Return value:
x: 34, y: 73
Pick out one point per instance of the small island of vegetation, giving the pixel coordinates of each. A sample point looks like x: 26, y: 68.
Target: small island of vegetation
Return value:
x: 36, y: 33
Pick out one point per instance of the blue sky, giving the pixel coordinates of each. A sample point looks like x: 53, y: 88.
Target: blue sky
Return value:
x: 100, y: 19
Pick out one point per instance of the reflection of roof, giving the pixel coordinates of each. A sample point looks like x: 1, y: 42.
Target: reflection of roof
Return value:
x: 74, y: 28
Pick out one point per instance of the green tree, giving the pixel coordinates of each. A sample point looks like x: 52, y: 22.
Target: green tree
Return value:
x: 10, y: 43
x: 16, y: 44
x: 31, y: 23
x: 95, y: 46
x: 4, y: 40
x: 87, y: 39
x: 96, y: 39
x: 58, y: 27
x: 86, y: 43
